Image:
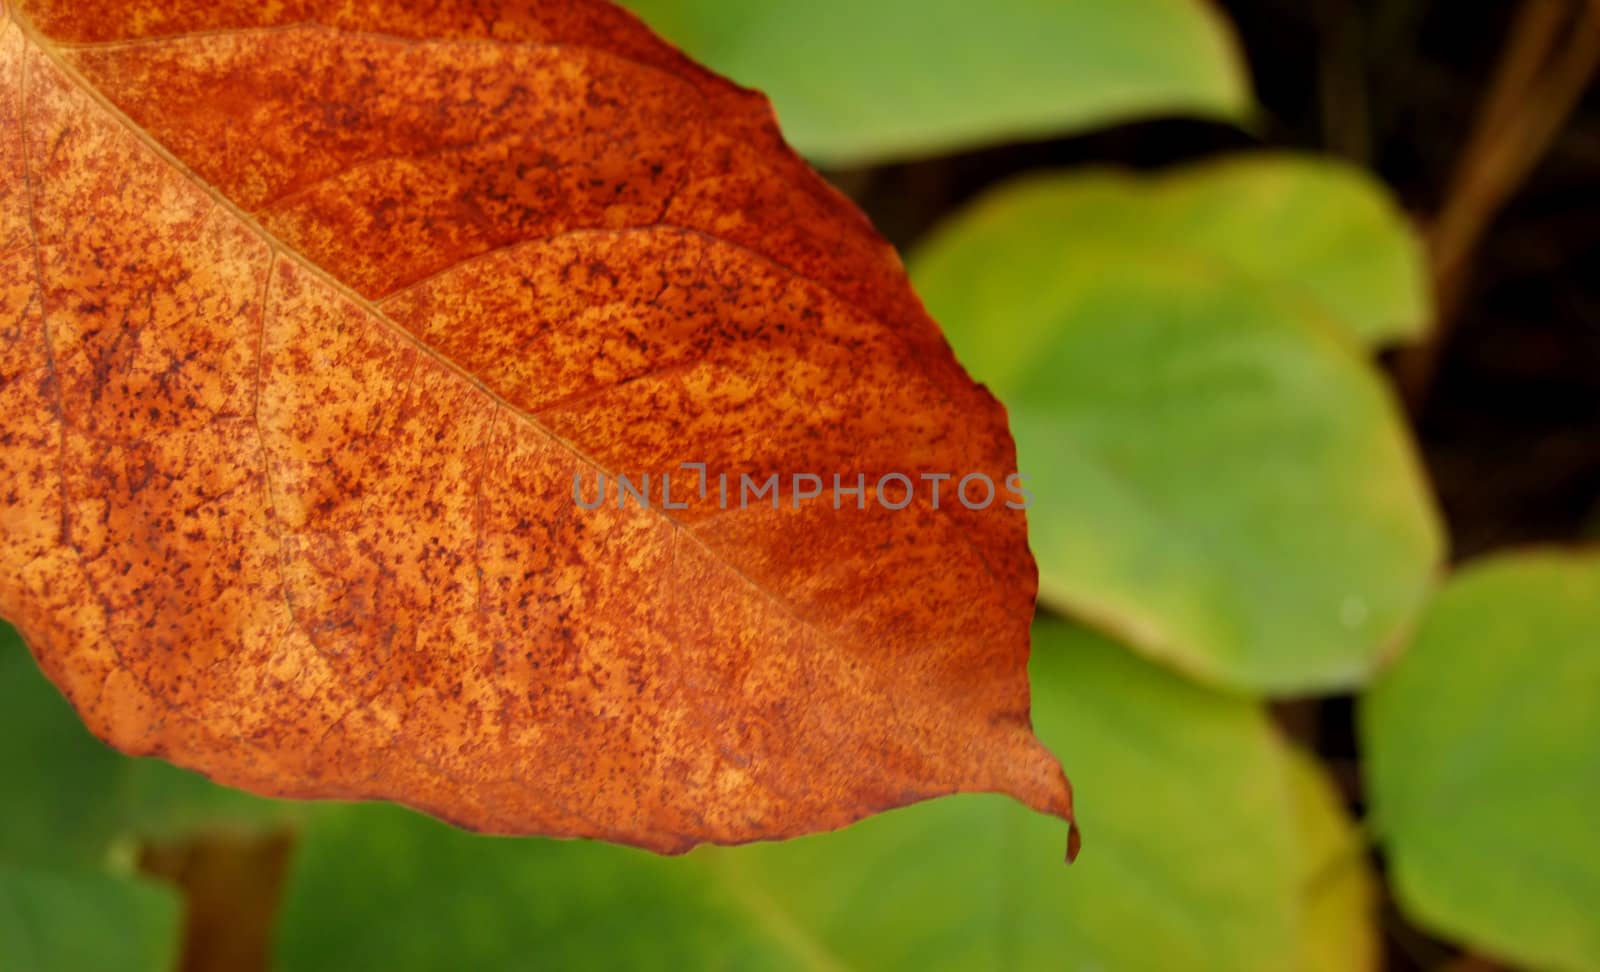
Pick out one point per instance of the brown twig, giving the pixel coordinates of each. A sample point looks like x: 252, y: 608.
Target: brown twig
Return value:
x: 232, y: 885
x: 1541, y: 74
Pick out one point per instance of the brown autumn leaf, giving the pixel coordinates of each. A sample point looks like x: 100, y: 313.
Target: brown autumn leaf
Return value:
x: 310, y: 313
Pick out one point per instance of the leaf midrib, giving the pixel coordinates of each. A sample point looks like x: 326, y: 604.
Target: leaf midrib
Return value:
x: 278, y: 249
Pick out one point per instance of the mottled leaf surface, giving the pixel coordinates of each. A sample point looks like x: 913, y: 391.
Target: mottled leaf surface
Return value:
x: 310, y: 313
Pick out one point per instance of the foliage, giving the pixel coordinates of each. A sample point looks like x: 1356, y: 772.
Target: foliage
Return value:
x: 851, y: 84
x: 1220, y: 471
x: 58, y: 920
x: 977, y: 877
x: 1483, y: 744
x: 1228, y: 506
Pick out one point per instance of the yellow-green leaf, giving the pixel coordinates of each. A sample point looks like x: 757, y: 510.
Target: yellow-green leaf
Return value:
x: 1197, y: 857
x: 1340, y: 892
x: 1483, y: 746
x: 1315, y: 230
x: 1219, y: 475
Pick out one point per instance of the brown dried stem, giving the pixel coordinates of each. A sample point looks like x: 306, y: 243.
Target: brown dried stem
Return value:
x: 1541, y: 74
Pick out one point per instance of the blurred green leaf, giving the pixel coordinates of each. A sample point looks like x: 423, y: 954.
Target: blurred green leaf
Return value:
x: 60, y: 781
x: 1315, y: 230
x: 1483, y: 745
x: 75, y: 922
x: 1220, y: 477
x: 69, y: 796
x: 1192, y: 861
x: 377, y: 887
x: 1340, y: 891
x: 861, y: 82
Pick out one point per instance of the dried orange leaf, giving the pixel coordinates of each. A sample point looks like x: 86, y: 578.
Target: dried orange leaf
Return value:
x: 312, y: 312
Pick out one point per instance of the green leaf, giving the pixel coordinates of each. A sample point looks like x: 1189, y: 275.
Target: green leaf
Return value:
x: 1192, y: 861
x: 1189, y: 855
x: 1339, y: 890
x: 1314, y: 230
x: 1219, y: 476
x: 377, y: 887
x: 864, y: 82
x: 1483, y: 744
x: 75, y: 922
x: 69, y: 796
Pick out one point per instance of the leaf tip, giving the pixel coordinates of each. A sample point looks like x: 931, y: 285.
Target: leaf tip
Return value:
x: 1041, y: 784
